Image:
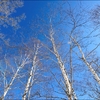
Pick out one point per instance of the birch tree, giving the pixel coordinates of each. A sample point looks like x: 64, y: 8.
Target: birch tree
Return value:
x: 86, y: 62
x: 7, y: 19
x: 51, y: 37
x: 61, y: 59
x: 31, y: 74
x: 7, y: 8
x: 7, y: 86
x: 69, y: 88
x: 83, y: 43
x: 83, y: 58
x: 73, y: 24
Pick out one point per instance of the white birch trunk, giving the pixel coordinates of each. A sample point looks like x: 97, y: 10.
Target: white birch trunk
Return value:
x: 97, y: 78
x: 32, y: 71
x: 63, y: 70
x: 11, y: 82
x: 13, y: 78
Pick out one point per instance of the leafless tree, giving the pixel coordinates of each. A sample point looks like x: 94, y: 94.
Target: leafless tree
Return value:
x: 62, y: 57
x: 7, y: 8
x: 7, y: 85
x: 31, y: 73
x: 79, y: 41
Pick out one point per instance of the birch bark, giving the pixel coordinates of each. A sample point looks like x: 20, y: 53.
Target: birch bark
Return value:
x: 62, y: 67
x: 32, y: 72
x: 86, y: 62
x: 13, y: 78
